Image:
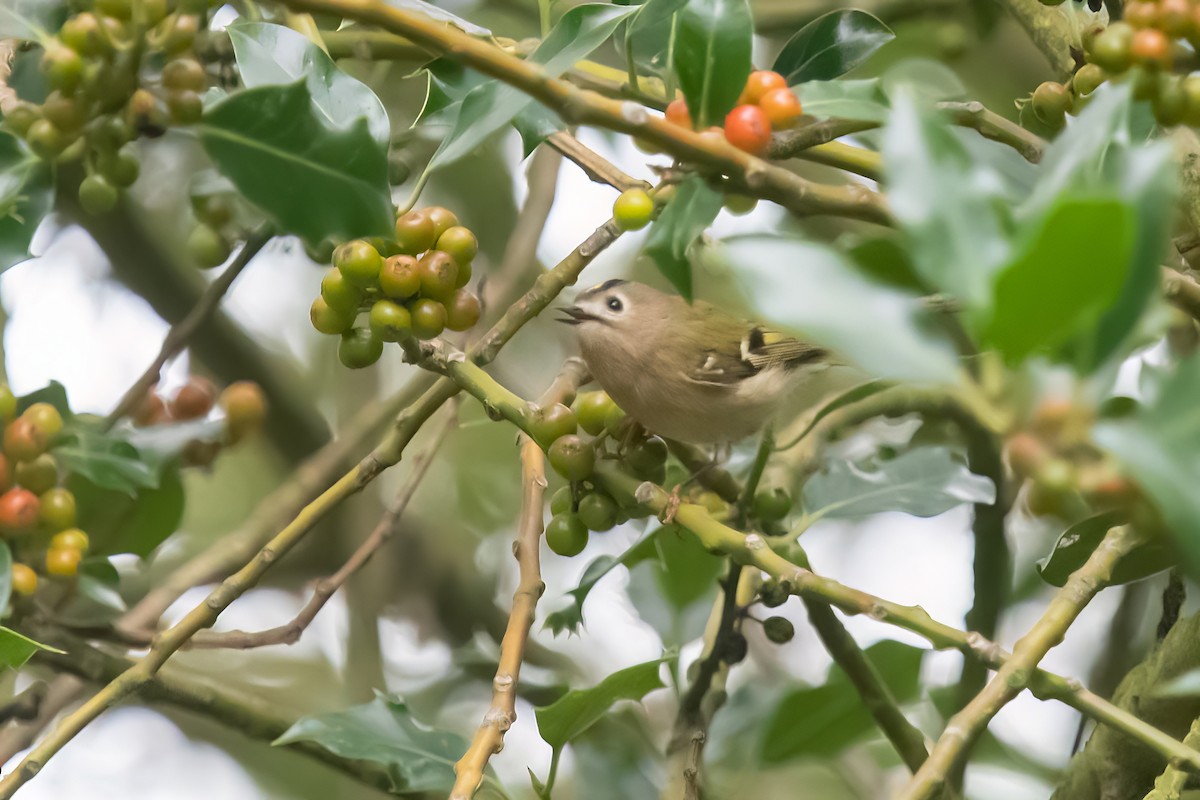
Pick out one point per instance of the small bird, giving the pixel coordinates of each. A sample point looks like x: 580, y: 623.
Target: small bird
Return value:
x: 690, y: 372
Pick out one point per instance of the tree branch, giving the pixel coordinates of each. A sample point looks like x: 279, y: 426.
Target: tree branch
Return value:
x: 600, y: 170
x: 990, y: 125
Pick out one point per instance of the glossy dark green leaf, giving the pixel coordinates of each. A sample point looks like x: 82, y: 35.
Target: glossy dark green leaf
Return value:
x: 1077, y: 543
x: 823, y: 720
x: 284, y: 155
x: 1157, y: 446
x: 712, y: 56
x: 492, y: 105
x: 449, y: 83
x: 53, y: 393
x: 648, y: 34
x: 1069, y: 271
x: 778, y: 274
x: 272, y: 55
x: 16, y: 649
x: 860, y: 99
x: 384, y: 731
x: 6, y: 561
x: 34, y: 20
x: 923, y: 482
x: 26, y: 194
x: 110, y: 462
x: 687, y: 215
x: 534, y: 124
x: 948, y: 205
x: 578, y: 710
x: 441, y: 15
x: 570, y: 617
x: 684, y: 570
x: 120, y: 523
x: 831, y: 45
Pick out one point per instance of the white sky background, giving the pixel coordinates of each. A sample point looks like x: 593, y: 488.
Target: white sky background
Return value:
x: 106, y: 337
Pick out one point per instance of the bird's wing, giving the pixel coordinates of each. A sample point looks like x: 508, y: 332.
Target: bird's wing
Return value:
x: 760, y: 348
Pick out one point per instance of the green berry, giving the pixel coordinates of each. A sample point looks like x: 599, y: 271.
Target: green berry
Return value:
x: 207, y: 246
x: 778, y: 629
x: 439, y: 275
x: 772, y: 595
x: 186, y: 106
x: 633, y: 209
x: 122, y: 167
x: 20, y: 117
x: 443, y: 220
x: 647, y: 456
x: 1087, y: 79
x: 739, y: 204
x: 591, y: 409
x: 339, y: 293
x: 400, y: 277
x: 1191, y: 91
x: 46, y: 418
x: 184, y: 74
x: 359, y: 263
x: 39, y: 474
x: 358, y: 348
x: 62, y: 66
x: 97, y: 195
x: 616, y: 422
x: 1112, y: 48
x: 597, y: 511
x: 57, y: 509
x: 415, y: 233
x: 459, y: 243
x: 571, y: 457
x: 551, y: 422
x: 329, y: 320
x: 562, y: 501
x: 1171, y: 102
x: 120, y: 9
x: 45, y: 140
x: 566, y: 535
x: 1051, y: 102
x: 428, y: 318
x: 8, y: 403
x: 772, y: 504
x: 389, y: 321
x: 735, y: 648
x: 82, y: 34
x: 67, y: 113
x: 462, y: 310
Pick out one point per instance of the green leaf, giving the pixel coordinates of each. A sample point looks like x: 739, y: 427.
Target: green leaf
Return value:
x: 108, y: 461
x: 1077, y: 543
x: 16, y: 649
x: 97, y: 597
x: 1071, y: 269
x: 161, y: 443
x: 648, y: 35
x: 925, y: 80
x: 712, y: 56
x: 947, y: 203
x: 684, y: 570
x: 886, y: 260
x: 26, y: 77
x: 778, y: 274
x: 384, y: 731
x: 449, y: 83
x: 317, y: 180
x: 924, y: 482
x: 6, y: 562
x: 823, y: 720
x: 579, y: 709
x: 860, y: 99
x: 492, y: 105
x: 272, y: 55
x: 687, y: 214
x: 1157, y: 446
x: 26, y: 194
x: 534, y: 124
x: 441, y: 15
x: 831, y: 45
x: 53, y: 393
x: 121, y: 523
x: 571, y: 617
x: 34, y: 20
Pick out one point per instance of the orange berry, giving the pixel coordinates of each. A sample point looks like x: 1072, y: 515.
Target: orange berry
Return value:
x: 19, y: 510
x: 63, y: 561
x: 194, y: 399
x: 759, y: 84
x: 782, y: 107
x: 1151, y: 47
x: 747, y: 128
x: 678, y: 114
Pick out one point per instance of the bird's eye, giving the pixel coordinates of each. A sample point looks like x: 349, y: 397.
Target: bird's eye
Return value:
x: 614, y: 304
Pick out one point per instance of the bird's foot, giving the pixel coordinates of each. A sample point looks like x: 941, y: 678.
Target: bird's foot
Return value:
x: 667, y: 515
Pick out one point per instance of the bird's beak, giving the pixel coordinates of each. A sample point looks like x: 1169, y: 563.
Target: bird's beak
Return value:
x: 574, y: 315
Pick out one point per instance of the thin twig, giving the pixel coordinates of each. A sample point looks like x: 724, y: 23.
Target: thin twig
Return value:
x: 62, y: 692
x: 179, y: 334
x: 791, y: 143
x: 600, y: 170
x: 973, y: 114
x: 489, y: 736
x: 290, y: 632
x: 965, y: 727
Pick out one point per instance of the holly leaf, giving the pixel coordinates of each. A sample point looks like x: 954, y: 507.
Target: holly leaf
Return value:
x: 26, y: 195
x: 579, y: 709
x: 384, y: 731
x: 441, y: 15
x: 860, y: 99
x: 684, y: 570
x: 16, y: 649
x: 317, y: 180
x: 109, y: 462
x: 534, y: 124
x: 712, y: 56
x: 687, y: 214
x: 33, y: 20
x: 120, y: 522
x: 1077, y: 543
x: 272, y: 55
x: 831, y: 45
x: 924, y: 482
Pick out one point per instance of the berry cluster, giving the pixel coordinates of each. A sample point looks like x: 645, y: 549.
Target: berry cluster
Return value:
x: 414, y: 285
x: 242, y: 402
x: 583, y: 506
x: 106, y: 89
x: 766, y: 104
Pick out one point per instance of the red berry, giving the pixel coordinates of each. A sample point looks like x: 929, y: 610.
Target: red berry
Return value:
x: 747, y: 128
x: 19, y: 510
x: 194, y: 399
